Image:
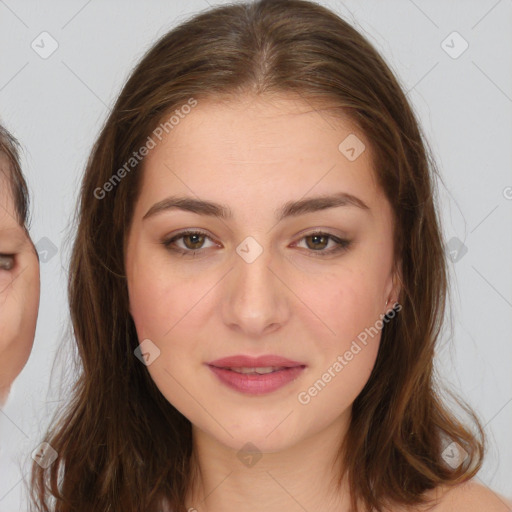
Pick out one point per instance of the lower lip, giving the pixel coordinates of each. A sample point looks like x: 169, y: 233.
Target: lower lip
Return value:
x: 257, y: 384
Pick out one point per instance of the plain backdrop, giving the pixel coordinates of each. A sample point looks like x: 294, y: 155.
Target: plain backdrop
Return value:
x: 460, y: 85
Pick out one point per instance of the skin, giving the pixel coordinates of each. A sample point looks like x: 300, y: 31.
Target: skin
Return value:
x: 19, y: 292
x: 254, y: 155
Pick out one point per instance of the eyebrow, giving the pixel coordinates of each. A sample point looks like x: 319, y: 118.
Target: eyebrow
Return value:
x: 289, y: 209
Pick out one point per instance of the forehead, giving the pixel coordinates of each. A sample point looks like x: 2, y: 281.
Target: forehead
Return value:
x: 260, y: 146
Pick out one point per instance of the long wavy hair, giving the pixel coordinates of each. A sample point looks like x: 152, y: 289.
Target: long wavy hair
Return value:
x: 121, y: 445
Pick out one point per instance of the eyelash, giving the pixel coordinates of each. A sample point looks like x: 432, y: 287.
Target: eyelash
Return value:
x: 342, y: 244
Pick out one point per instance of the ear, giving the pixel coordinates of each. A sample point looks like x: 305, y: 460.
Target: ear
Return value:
x: 396, y: 285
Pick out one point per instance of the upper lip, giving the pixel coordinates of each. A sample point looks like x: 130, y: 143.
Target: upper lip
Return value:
x: 242, y: 361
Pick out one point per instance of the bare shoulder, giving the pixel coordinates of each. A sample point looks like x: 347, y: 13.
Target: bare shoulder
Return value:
x: 470, y: 496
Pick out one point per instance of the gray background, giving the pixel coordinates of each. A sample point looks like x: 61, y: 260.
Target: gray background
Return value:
x: 55, y: 106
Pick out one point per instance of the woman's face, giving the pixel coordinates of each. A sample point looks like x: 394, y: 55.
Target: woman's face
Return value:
x: 260, y: 282
x: 19, y: 291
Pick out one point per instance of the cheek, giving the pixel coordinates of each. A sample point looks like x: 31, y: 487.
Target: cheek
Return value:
x: 162, y: 301
x: 345, y: 356
x: 19, y: 302
x: 347, y: 303
x: 332, y: 391
x: 150, y: 296
x: 156, y: 306
x: 165, y: 311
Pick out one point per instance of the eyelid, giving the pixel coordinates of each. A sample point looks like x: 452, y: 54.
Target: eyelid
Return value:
x: 342, y: 244
x: 181, y: 234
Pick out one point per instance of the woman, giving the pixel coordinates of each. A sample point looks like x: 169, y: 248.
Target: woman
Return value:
x: 257, y: 285
x: 19, y: 268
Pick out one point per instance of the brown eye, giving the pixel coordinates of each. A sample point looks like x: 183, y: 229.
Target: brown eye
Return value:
x: 6, y: 261
x: 193, y: 241
x: 317, y: 243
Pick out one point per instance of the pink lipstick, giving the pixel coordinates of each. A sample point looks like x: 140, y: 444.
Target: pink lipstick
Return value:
x: 256, y: 375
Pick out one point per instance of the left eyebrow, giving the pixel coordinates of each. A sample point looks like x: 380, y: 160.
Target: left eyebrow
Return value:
x: 289, y: 209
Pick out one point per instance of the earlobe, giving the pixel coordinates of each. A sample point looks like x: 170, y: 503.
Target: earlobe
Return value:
x: 397, y: 283
x: 395, y: 288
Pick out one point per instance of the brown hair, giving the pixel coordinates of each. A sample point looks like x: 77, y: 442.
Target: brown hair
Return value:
x: 121, y: 445
x: 9, y: 153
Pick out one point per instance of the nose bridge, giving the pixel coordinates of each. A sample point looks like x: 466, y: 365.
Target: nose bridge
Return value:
x: 255, y: 301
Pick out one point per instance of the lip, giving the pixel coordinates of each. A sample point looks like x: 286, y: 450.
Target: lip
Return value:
x: 256, y: 384
x: 240, y: 361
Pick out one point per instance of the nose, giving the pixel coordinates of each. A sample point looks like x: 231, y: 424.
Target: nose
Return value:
x: 256, y: 298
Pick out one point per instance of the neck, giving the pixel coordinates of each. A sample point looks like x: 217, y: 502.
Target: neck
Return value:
x: 300, y: 477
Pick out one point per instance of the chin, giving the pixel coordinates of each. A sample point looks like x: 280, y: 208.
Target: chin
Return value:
x: 267, y: 433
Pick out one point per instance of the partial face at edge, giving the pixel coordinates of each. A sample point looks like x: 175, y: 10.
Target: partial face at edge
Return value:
x: 254, y: 156
x: 19, y: 291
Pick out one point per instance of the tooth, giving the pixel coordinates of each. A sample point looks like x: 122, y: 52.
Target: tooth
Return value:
x: 258, y: 370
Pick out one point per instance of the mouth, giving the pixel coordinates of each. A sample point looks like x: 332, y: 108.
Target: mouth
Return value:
x: 258, y: 370
x: 268, y: 374
x: 261, y: 362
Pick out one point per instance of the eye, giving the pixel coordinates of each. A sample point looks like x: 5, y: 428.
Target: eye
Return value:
x: 6, y: 261
x: 193, y: 243
x: 318, y: 240
x: 192, y: 240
